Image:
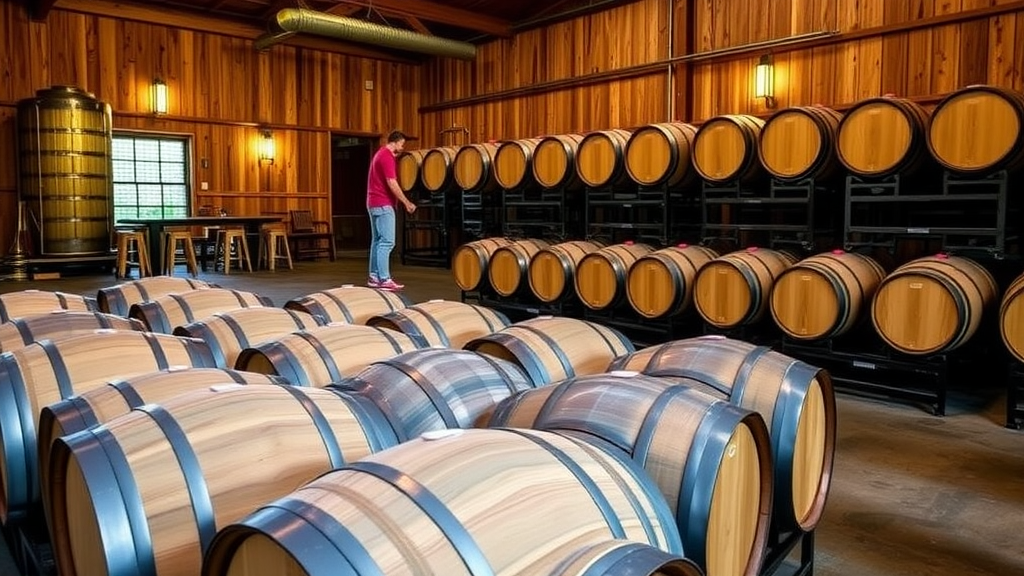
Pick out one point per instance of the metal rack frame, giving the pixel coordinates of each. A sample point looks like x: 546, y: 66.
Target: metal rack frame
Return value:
x: 554, y: 209
x: 30, y: 546
x: 1015, y: 396
x: 519, y: 308
x: 779, y: 548
x: 621, y: 209
x: 644, y: 331
x: 481, y: 213
x: 433, y: 214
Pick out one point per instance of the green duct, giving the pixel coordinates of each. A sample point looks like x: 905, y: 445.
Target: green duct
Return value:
x: 290, y: 21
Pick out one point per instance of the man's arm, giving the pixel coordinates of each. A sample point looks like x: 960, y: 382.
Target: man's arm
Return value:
x: 397, y: 191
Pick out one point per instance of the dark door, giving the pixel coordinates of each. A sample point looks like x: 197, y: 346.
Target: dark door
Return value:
x: 350, y: 164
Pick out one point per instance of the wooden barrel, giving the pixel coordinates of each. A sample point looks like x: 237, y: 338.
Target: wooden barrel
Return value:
x: 163, y: 479
x: 978, y: 130
x: 600, y: 158
x: 659, y: 154
x: 31, y: 302
x: 513, y: 162
x: 165, y: 313
x: 23, y: 331
x: 46, y: 372
x: 825, y: 295
x: 458, y: 503
x: 409, y: 166
x: 661, y: 283
x: 349, y: 304
x: 228, y: 333
x: 474, y: 167
x: 1011, y: 318
x: 733, y: 290
x: 796, y: 400
x: 725, y: 149
x: 880, y: 137
x: 601, y: 276
x: 469, y: 263
x: 554, y: 161
x: 711, y: 460
x: 434, y: 389
x: 618, y: 557
x: 933, y: 304
x: 552, y: 348
x: 119, y: 299
x: 442, y: 322
x: 552, y: 270
x: 510, y: 264
x: 436, y: 171
x: 799, y: 143
x: 320, y: 356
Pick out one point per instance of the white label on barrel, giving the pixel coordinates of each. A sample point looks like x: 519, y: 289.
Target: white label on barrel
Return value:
x: 337, y: 323
x: 805, y: 277
x: 104, y: 331
x: 859, y: 364
x: 918, y: 230
x: 730, y: 451
x: 623, y: 373
x: 224, y: 387
x: 723, y: 271
x: 441, y: 434
x: 348, y: 286
x: 711, y: 337
x: 178, y: 368
x: 435, y: 300
x: 545, y: 317
x: 916, y: 285
x: 59, y: 311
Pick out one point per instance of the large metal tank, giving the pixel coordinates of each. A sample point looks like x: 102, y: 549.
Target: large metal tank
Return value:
x: 65, y: 171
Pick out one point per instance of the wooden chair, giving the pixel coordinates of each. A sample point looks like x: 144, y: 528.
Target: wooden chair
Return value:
x: 309, y: 237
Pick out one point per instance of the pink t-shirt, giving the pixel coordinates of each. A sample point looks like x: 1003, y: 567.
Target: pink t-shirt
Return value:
x: 382, y: 167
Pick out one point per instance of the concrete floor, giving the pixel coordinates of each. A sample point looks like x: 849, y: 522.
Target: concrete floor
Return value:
x: 913, y: 494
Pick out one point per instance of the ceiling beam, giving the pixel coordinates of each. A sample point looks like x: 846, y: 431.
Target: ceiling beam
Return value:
x: 417, y: 25
x: 439, y: 13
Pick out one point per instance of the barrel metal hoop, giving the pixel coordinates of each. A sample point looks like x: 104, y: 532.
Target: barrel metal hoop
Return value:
x: 418, y: 340
x: 327, y: 546
x: 24, y: 331
x: 436, y: 398
x: 406, y: 323
x: 158, y: 352
x: 60, y: 369
x: 554, y: 347
x: 323, y: 426
x: 499, y: 371
x: 742, y: 379
x: 379, y: 416
x: 128, y: 392
x: 342, y: 307
x: 237, y: 330
x: 185, y: 308
x: 20, y: 446
x: 634, y: 559
x: 325, y: 355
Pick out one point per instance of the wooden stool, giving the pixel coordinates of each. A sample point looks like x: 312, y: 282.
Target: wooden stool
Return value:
x: 127, y: 240
x: 171, y: 238
x: 228, y: 238
x: 274, y: 246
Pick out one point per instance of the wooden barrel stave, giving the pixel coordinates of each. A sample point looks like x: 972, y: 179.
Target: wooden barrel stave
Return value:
x: 978, y: 130
x: 573, y: 494
x: 469, y: 263
x: 725, y: 149
x: 323, y: 355
x: 734, y: 289
x: 165, y: 313
x: 442, y: 323
x: 601, y: 276
x: 437, y: 168
x: 554, y: 161
x: 552, y: 270
x: 617, y: 557
x: 183, y: 473
x: 228, y: 333
x: 474, y: 167
x: 49, y: 371
x: 119, y: 299
x: 660, y: 284
x: 550, y: 348
x: 31, y: 302
x: 1011, y: 318
x: 796, y: 400
x: 410, y: 164
x: 799, y: 143
x: 510, y: 264
x: 23, y: 331
x: 659, y: 154
x: 880, y: 137
x: 348, y: 304
x: 600, y: 158
x: 513, y: 163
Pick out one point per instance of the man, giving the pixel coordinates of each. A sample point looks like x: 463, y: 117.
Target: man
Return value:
x: 382, y: 197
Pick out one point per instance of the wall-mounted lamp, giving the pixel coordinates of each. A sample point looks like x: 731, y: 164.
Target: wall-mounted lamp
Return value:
x: 158, y: 97
x: 267, y: 147
x: 764, y: 80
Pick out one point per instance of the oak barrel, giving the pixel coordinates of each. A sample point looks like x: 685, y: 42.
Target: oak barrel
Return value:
x: 1011, y: 318
x: 23, y: 331
x: 147, y: 492
x: 552, y: 270
x: 733, y: 290
x: 410, y: 165
x: 165, y: 313
x: 433, y: 389
x: 510, y: 265
x: 711, y: 460
x: 442, y: 322
x: 660, y: 284
x: 621, y: 557
x: 349, y: 304
x: 796, y: 400
x: 933, y: 304
x: 799, y: 142
x: 474, y: 167
x: 600, y: 158
x: 436, y: 171
x: 457, y: 503
x: 513, y: 163
x: 725, y: 149
x: 662, y: 153
x: 552, y: 348
x: 119, y: 299
x: 320, y: 356
x: 883, y: 136
x: 554, y: 161
x: 601, y: 276
x: 31, y: 302
x: 470, y: 261
x: 824, y: 296
x: 228, y: 333
x: 978, y: 130
x: 46, y: 372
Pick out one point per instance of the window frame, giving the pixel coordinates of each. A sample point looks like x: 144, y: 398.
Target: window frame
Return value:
x: 188, y: 141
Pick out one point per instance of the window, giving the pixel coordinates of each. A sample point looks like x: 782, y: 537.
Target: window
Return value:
x: 150, y: 176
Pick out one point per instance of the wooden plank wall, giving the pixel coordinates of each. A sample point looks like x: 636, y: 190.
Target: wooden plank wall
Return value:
x: 221, y: 91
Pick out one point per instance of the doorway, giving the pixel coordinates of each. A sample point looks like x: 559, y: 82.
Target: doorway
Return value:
x: 350, y: 165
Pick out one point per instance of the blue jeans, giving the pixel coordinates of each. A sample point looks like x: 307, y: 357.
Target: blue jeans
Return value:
x: 382, y: 234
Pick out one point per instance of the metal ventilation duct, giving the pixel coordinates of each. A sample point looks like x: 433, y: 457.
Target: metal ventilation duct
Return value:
x: 291, y: 21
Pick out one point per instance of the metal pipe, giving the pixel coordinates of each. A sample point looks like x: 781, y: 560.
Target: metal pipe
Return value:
x: 671, y: 77
x: 799, y: 38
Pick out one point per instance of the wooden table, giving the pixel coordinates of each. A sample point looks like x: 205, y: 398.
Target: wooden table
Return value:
x: 156, y: 225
